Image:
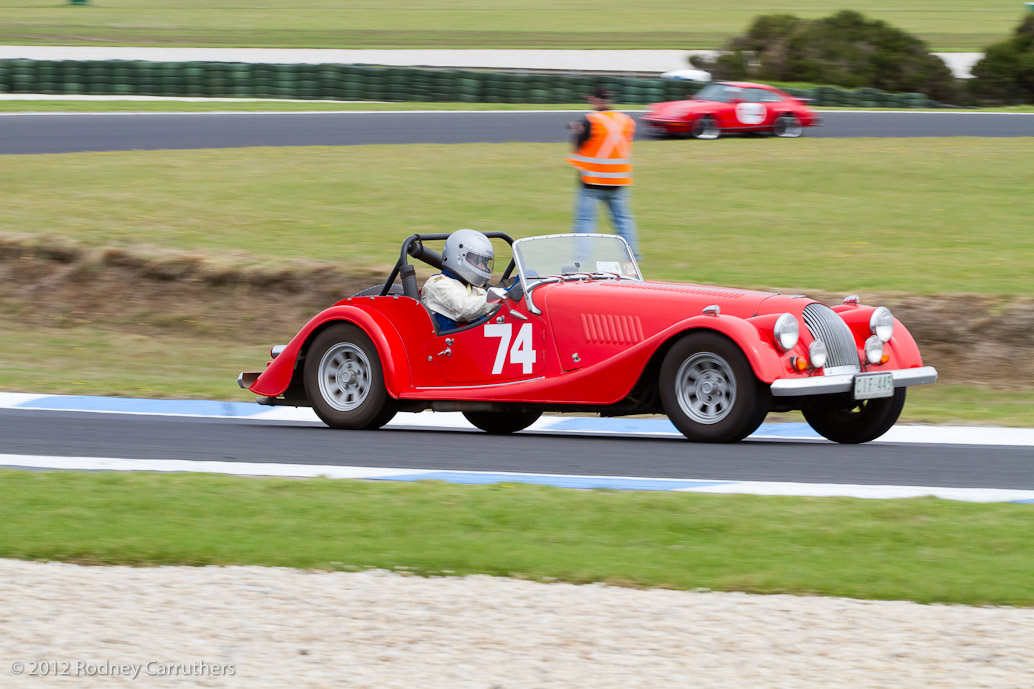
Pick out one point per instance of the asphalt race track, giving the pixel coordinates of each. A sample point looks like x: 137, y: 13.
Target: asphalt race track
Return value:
x: 239, y: 440
x: 68, y: 133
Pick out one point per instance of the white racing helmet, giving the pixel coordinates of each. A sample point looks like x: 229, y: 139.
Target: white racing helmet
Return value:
x: 469, y: 254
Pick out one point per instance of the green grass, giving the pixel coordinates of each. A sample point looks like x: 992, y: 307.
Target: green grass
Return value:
x: 947, y: 25
x: 138, y: 360
x: 864, y: 216
x: 323, y: 106
x: 925, y: 216
x: 925, y: 550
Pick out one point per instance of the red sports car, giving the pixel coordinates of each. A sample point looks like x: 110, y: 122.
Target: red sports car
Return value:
x: 576, y: 328
x: 732, y: 106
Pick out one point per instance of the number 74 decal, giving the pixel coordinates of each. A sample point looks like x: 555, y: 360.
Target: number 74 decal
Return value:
x: 523, y: 349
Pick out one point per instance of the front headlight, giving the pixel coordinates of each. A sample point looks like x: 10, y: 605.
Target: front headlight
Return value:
x: 817, y: 353
x: 874, y: 350
x: 881, y: 323
x: 786, y: 332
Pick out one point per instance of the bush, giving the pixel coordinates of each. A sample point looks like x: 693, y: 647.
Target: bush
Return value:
x: 1005, y: 75
x: 846, y: 49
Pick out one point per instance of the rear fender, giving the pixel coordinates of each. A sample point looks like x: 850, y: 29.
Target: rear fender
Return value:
x: 281, y: 371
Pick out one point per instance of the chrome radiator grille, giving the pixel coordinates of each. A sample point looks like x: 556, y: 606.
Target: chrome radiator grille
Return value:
x: 824, y: 324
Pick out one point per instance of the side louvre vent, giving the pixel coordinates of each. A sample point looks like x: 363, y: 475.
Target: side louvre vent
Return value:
x: 824, y: 324
x: 610, y: 329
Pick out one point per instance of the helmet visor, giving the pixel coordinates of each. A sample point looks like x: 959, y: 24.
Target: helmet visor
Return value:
x: 482, y: 263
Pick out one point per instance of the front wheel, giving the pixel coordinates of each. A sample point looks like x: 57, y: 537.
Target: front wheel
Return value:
x: 709, y: 390
x: 706, y: 128
x: 502, y: 423
x: 853, y: 422
x: 344, y: 380
x: 788, y: 126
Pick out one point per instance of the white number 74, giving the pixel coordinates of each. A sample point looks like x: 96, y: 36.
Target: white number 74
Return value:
x: 522, y: 352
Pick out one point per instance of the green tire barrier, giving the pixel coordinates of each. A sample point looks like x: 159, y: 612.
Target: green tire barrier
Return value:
x: 364, y: 82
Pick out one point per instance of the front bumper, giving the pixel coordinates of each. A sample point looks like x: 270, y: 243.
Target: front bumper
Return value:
x: 831, y: 385
x: 666, y: 124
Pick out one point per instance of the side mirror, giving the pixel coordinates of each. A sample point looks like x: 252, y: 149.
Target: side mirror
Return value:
x: 735, y: 101
x: 496, y: 293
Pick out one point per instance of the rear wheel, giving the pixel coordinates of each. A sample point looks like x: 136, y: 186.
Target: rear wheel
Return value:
x: 502, y: 423
x: 787, y: 126
x: 706, y: 128
x: 344, y: 380
x: 709, y: 390
x: 852, y: 421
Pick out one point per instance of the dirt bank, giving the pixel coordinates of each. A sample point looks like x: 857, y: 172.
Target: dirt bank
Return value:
x: 970, y: 338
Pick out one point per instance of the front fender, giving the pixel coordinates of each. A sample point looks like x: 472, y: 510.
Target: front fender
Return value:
x: 753, y: 342
x: 281, y: 371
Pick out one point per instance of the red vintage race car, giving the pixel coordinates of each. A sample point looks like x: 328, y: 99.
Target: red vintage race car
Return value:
x: 732, y: 106
x: 576, y: 328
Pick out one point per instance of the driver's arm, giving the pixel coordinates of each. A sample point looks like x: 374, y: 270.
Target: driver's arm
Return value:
x: 458, y: 301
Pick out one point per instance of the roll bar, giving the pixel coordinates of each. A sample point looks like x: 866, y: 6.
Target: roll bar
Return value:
x: 414, y: 246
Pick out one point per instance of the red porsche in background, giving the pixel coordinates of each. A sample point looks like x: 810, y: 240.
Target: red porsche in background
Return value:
x: 732, y: 106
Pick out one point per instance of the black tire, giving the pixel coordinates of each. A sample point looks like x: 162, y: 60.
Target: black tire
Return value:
x: 710, y: 392
x: 344, y: 381
x: 787, y: 126
x: 706, y: 128
x: 502, y: 422
x: 844, y: 420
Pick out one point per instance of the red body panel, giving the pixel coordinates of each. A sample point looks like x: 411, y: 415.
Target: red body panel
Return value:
x: 678, y: 117
x: 589, y: 346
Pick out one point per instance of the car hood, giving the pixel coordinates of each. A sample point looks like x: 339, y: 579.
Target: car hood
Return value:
x: 670, y: 302
x: 681, y: 108
x: 594, y: 320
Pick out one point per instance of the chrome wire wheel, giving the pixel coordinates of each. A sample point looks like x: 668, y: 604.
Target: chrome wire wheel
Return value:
x: 344, y: 376
x: 706, y: 388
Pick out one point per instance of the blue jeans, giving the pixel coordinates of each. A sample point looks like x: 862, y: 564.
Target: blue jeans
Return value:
x: 616, y: 198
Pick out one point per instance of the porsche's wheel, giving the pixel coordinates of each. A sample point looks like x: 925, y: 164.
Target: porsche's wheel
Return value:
x: 502, y: 423
x: 854, y: 422
x: 788, y: 126
x: 706, y: 128
x: 344, y: 380
x: 709, y: 390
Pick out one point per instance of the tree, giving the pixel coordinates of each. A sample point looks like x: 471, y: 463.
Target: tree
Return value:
x: 1005, y: 75
x: 846, y: 50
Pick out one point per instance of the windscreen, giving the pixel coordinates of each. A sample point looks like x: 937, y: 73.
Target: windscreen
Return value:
x: 721, y: 93
x: 568, y: 254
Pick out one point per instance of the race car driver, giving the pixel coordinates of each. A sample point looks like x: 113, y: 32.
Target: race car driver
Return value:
x: 456, y: 296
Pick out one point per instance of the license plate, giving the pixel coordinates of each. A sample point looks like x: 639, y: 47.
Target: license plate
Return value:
x: 867, y: 387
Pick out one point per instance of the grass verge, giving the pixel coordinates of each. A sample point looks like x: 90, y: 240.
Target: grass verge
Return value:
x: 956, y: 25
x: 858, y: 215
x: 924, y: 550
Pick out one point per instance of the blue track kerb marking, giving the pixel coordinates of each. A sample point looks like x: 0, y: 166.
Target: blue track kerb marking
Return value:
x: 585, y: 482
x: 144, y: 406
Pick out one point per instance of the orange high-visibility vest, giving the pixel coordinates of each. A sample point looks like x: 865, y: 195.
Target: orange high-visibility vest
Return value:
x: 606, y: 156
